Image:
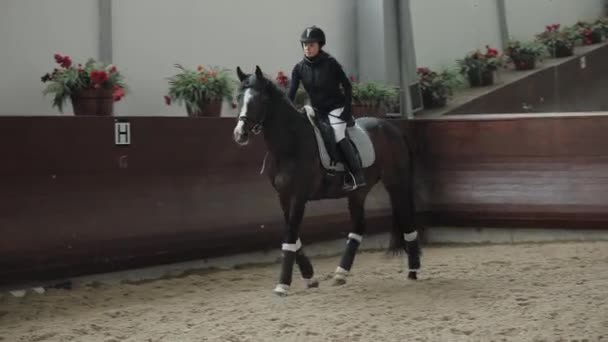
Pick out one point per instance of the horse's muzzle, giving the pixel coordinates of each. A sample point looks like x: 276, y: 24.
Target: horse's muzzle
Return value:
x: 240, y: 134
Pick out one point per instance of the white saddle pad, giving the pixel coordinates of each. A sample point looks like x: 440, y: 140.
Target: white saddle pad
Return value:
x: 356, y: 134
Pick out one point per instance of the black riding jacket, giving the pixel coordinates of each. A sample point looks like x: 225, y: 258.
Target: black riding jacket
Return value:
x: 322, y: 77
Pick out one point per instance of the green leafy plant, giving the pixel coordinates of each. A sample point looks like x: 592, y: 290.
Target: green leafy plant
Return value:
x: 516, y: 49
x: 525, y: 55
x: 68, y: 80
x: 437, y: 87
x: 196, y: 87
x: 558, y: 41
x: 374, y: 94
x: 589, y: 33
x: 477, y: 61
x: 602, y: 24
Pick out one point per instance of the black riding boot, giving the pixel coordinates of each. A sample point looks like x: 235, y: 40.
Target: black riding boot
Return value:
x: 353, y: 164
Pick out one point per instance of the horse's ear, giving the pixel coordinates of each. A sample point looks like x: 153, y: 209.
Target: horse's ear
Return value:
x: 258, y: 72
x: 241, y: 74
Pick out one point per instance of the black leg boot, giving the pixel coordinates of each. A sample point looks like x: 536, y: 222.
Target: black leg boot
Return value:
x: 353, y: 164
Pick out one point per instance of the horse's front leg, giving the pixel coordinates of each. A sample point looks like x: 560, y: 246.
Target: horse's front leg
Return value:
x: 303, y: 262
x: 293, y: 207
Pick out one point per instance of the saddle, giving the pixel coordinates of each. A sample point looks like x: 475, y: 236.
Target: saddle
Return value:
x: 331, y: 159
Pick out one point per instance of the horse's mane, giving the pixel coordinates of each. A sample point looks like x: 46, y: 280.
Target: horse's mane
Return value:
x: 280, y: 94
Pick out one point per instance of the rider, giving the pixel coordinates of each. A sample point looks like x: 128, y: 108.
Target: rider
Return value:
x: 322, y: 75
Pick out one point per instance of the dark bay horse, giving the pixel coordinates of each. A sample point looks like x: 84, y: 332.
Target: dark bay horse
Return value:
x: 297, y: 174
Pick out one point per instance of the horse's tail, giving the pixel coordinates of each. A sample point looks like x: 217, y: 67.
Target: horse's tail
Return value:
x: 399, y: 182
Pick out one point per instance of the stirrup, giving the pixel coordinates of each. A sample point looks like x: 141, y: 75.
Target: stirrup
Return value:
x: 354, y: 186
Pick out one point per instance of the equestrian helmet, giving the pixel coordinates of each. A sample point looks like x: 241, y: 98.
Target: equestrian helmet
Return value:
x: 313, y: 34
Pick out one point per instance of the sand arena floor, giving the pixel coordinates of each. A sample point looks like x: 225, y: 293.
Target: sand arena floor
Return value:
x: 527, y: 292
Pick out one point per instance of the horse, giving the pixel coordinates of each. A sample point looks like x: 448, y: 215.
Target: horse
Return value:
x: 298, y: 169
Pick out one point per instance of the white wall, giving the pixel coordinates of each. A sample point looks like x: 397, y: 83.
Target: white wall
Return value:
x: 371, y: 40
x: 526, y: 18
x: 445, y: 30
x: 31, y: 32
x: 151, y: 35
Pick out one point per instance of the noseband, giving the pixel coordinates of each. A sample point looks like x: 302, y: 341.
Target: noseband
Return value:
x: 256, y: 126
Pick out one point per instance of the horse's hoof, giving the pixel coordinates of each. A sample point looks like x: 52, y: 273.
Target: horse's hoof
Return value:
x: 281, y: 290
x: 413, y: 275
x: 311, y: 283
x: 339, y: 280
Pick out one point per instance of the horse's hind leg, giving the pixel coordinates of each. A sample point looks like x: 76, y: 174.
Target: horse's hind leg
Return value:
x: 356, y: 203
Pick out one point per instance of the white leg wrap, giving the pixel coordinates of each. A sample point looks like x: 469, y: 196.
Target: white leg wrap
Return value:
x: 415, y: 270
x: 39, y: 290
x: 292, y: 247
x: 409, y: 237
x: 340, y: 273
x: 309, y: 282
x: 281, y: 289
x: 356, y: 237
x: 18, y: 293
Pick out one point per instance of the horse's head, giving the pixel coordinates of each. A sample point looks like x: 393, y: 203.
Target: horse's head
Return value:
x: 253, y: 104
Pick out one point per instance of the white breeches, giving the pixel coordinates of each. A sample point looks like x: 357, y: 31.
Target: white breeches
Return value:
x: 337, y: 124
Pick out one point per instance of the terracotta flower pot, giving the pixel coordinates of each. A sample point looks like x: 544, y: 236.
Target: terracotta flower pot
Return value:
x: 478, y: 78
x: 430, y: 101
x: 208, y: 109
x: 93, y: 102
x: 524, y: 62
x: 595, y: 37
x: 562, y: 50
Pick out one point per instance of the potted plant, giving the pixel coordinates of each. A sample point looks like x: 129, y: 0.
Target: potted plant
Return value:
x: 480, y: 67
x: 283, y: 82
x: 524, y: 55
x: 602, y: 24
x: 589, y: 33
x: 373, y: 98
x: 437, y: 87
x: 201, y: 90
x: 559, y: 42
x: 92, y: 88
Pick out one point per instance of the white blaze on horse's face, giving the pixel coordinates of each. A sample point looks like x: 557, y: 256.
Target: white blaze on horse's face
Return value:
x: 246, y: 99
x: 241, y: 136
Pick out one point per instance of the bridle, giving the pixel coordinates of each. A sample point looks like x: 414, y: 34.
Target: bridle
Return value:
x: 256, y: 126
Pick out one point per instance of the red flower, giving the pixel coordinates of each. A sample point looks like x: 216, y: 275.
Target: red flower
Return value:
x: 200, y: 68
x: 282, y: 79
x: 112, y: 69
x: 167, y: 100
x: 98, y: 77
x: 353, y: 79
x: 423, y: 70
x: 491, y: 52
x: 65, y: 62
x: 119, y: 93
